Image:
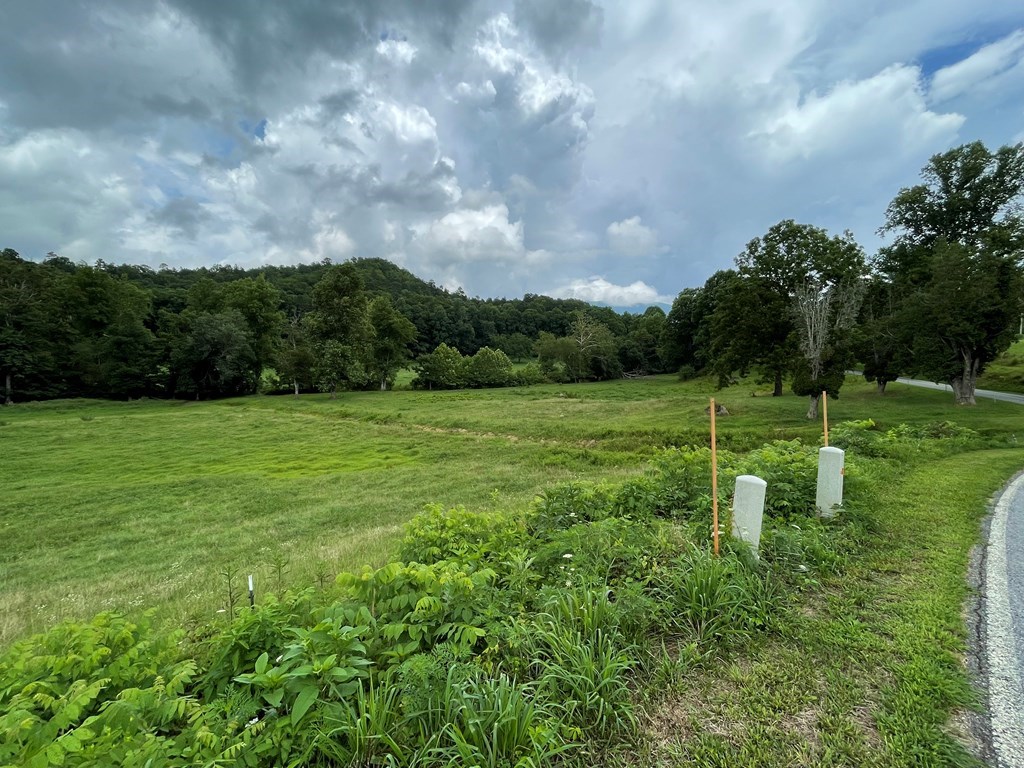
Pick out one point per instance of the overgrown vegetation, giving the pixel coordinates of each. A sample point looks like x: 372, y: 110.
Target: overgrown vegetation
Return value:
x: 559, y: 633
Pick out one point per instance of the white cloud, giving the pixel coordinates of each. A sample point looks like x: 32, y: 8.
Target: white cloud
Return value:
x: 467, y: 235
x: 397, y: 51
x: 988, y: 62
x: 598, y: 290
x: 856, y: 116
x: 631, y: 238
x: 502, y: 145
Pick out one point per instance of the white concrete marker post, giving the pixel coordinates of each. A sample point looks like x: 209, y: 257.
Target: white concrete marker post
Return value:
x: 748, y: 510
x: 831, y: 468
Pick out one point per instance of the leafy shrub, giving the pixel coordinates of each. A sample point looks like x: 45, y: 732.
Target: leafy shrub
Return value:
x: 791, y: 471
x: 489, y: 368
x: 528, y: 375
x: 92, y: 690
x: 418, y: 606
x: 861, y: 437
x: 686, y: 373
x: 438, y: 534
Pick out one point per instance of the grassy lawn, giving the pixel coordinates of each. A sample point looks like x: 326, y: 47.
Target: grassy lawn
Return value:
x: 869, y: 668
x: 1006, y: 374
x: 143, y: 504
x: 123, y: 505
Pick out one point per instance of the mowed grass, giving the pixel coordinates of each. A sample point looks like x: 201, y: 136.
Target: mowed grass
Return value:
x: 132, y: 505
x: 872, y: 665
x: 1005, y: 374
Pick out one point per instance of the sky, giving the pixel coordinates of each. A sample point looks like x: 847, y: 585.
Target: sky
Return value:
x: 615, y: 152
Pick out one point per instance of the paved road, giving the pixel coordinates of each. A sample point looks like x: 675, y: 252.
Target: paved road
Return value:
x: 979, y: 394
x: 1003, y: 606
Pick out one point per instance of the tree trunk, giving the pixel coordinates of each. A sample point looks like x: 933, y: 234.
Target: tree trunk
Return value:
x: 777, y: 392
x: 812, y: 409
x: 881, y: 386
x: 295, y: 383
x: 383, y: 385
x: 8, y: 391
x: 334, y: 392
x: 963, y: 385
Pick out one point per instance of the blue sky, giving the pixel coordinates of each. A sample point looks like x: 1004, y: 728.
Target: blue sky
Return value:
x: 615, y: 152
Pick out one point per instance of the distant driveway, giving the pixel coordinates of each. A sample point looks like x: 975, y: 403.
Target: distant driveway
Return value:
x: 979, y: 394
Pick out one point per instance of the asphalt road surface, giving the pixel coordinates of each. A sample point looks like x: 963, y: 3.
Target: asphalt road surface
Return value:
x: 979, y: 394
x: 1003, y: 607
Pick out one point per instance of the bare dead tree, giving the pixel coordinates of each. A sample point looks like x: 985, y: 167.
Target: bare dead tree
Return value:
x: 824, y: 313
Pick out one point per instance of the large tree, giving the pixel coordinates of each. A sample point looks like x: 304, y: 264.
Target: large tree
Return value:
x: 753, y: 325
x: 31, y: 328
x: 391, y: 333
x: 955, y: 262
x: 340, y: 329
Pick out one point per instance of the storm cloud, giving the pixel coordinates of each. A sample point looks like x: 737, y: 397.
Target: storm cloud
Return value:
x: 615, y: 152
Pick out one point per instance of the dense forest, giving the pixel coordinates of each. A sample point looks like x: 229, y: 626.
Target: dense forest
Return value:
x: 940, y: 301
x: 128, y: 331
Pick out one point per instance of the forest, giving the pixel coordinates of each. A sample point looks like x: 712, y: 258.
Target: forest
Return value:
x: 939, y: 301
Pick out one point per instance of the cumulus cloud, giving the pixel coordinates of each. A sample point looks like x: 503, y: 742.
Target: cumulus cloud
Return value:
x: 1002, y: 57
x: 503, y: 146
x: 855, y: 115
x: 598, y: 290
x: 631, y: 238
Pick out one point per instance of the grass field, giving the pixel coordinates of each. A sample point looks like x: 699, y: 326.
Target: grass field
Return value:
x: 130, y: 505
x: 1006, y: 374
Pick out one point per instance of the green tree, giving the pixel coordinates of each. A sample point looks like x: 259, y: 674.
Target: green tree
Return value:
x: 214, y: 357
x: 295, y: 358
x: 259, y: 303
x: 518, y: 346
x: 878, y: 344
x: 954, y: 263
x: 489, y: 368
x: 391, y: 335
x: 753, y: 326
x: 687, y: 335
x: 31, y: 328
x: 340, y: 330
x: 444, y: 368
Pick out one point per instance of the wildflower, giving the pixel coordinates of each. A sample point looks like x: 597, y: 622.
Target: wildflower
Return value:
x: 567, y: 555
x: 252, y: 722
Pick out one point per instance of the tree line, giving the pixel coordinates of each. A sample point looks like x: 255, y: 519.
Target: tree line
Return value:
x: 128, y: 331
x: 940, y: 302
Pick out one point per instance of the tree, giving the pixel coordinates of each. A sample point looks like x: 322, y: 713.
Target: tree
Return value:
x: 824, y: 317
x: 214, y: 358
x: 259, y: 303
x: 878, y: 344
x: 391, y: 335
x: 687, y: 336
x: 954, y: 263
x: 489, y: 368
x: 31, y: 328
x: 593, y: 350
x: 294, y: 357
x: 753, y: 325
x: 444, y: 368
x: 340, y: 329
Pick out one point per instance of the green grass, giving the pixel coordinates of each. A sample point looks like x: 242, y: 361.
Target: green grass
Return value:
x: 124, y: 505
x: 870, y: 669
x: 1006, y: 373
x: 131, y: 505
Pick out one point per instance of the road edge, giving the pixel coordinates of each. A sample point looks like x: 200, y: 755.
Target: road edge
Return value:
x: 990, y: 640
